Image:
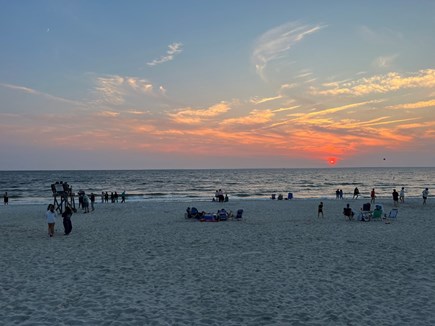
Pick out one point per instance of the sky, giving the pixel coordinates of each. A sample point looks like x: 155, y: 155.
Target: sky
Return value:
x: 168, y: 84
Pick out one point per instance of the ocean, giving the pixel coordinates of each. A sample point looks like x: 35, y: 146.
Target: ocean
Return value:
x: 30, y: 187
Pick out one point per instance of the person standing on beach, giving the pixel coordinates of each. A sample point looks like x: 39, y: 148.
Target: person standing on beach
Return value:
x: 123, y: 197
x: 86, y: 203
x: 221, y: 196
x: 395, y: 197
x: 81, y: 193
x: 320, y: 209
x: 67, y: 225
x: 355, y: 193
x: 372, y: 196
x: 402, y: 195
x: 6, y: 198
x: 92, y: 200
x: 425, y: 194
x: 50, y: 216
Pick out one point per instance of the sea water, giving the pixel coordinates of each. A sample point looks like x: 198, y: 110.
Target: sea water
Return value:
x: 27, y: 187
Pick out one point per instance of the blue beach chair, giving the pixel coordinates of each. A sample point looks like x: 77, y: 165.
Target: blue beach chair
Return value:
x: 222, y: 215
x: 393, y: 213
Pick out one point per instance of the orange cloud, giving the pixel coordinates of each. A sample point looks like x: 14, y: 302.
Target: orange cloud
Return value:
x: 192, y: 116
x: 257, y: 100
x: 255, y: 117
x: 416, y: 105
x: 111, y: 114
x: 381, y: 84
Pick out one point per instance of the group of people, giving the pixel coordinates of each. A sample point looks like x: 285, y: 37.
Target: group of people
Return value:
x: 114, y: 197
x: 339, y: 194
x: 400, y: 196
x: 220, y: 196
x: 85, y: 201
x: 51, y: 216
x: 397, y: 196
x: 221, y: 215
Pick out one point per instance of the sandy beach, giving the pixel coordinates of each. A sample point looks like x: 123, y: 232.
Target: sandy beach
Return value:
x: 143, y: 263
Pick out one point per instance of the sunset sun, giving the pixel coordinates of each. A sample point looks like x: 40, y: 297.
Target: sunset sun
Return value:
x: 332, y: 160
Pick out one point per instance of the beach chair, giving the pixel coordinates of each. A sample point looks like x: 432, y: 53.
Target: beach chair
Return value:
x: 393, y: 213
x: 239, y: 214
x: 365, y: 213
x: 222, y: 215
x: 348, y: 213
x: 208, y: 217
x: 378, y: 212
x: 366, y: 207
x: 194, y: 213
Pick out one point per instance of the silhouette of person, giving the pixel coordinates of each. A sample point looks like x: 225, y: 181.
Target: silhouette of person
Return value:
x: 395, y: 197
x: 320, y: 209
x: 372, y: 196
x: 355, y: 193
x: 425, y: 194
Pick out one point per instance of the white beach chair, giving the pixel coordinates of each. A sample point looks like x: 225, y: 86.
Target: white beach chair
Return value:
x: 393, y: 213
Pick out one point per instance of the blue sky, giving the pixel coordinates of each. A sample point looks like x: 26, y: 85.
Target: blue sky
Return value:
x: 216, y: 84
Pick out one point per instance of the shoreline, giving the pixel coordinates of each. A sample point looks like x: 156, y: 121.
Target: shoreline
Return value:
x: 138, y: 199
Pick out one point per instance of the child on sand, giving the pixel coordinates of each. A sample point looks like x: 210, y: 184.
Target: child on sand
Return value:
x: 320, y: 209
x: 50, y: 215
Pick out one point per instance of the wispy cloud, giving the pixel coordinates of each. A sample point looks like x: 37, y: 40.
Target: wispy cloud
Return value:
x: 276, y: 43
x: 255, y: 117
x: 193, y: 116
x: 416, y: 105
x: 174, y: 49
x: 382, y: 84
x: 385, y: 61
x: 257, y: 100
x: 39, y: 93
x: 113, y: 89
x: 281, y: 94
x: 110, y: 90
x: 286, y: 109
x: 334, y: 110
x: 110, y: 114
